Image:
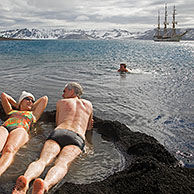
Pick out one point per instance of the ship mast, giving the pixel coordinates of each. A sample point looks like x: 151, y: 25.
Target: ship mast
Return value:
x: 165, y: 21
x: 173, y: 21
x: 168, y: 34
x: 158, y: 23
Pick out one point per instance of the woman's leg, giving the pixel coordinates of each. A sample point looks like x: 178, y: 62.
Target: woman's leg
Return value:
x: 3, y: 137
x: 16, y: 139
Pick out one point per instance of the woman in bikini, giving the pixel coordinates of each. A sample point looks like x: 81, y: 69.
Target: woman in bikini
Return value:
x: 14, y: 132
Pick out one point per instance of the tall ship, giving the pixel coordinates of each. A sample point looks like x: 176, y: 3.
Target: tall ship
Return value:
x: 168, y: 34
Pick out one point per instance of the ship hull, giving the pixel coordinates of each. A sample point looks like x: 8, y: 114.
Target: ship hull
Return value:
x: 168, y: 39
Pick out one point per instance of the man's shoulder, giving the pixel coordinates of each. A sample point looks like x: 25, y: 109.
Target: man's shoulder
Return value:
x: 61, y: 101
x: 69, y: 100
x: 86, y: 102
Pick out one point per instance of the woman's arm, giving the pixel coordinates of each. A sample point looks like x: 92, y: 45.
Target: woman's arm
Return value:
x: 39, y: 106
x: 7, y: 102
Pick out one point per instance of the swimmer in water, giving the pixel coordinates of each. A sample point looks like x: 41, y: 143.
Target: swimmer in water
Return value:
x: 73, y: 117
x: 123, y: 68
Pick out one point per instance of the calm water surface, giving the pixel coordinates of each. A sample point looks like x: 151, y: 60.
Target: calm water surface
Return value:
x: 157, y: 98
x: 100, y: 160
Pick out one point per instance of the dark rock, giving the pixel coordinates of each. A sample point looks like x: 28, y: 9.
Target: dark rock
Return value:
x: 48, y: 116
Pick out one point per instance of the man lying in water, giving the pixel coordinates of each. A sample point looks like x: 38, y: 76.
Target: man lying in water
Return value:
x: 73, y: 117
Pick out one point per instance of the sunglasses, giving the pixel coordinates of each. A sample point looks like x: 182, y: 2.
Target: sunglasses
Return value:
x: 29, y: 99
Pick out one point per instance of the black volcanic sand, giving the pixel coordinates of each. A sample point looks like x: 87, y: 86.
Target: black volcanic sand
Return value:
x: 152, y: 169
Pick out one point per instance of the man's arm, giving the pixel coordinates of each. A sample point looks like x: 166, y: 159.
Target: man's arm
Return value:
x: 57, y: 113
x: 90, y: 122
x: 89, y: 135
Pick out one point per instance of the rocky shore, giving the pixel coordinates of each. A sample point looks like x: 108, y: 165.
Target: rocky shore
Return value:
x: 150, y: 168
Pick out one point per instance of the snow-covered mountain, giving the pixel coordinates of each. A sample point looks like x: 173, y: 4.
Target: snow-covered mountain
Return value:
x: 26, y: 33
x: 66, y: 34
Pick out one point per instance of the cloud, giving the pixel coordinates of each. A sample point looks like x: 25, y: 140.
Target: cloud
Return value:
x: 94, y: 14
x: 82, y: 18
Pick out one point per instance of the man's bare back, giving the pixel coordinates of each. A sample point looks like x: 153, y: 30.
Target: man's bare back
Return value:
x: 74, y: 114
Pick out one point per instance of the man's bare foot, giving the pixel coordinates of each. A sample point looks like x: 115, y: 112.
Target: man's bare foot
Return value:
x: 38, y: 186
x: 21, y: 185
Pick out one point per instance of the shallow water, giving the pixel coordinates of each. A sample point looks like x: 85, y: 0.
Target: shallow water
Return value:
x: 157, y: 98
x: 100, y: 160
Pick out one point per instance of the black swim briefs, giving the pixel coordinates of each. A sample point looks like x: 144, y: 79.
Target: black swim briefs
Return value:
x: 66, y: 137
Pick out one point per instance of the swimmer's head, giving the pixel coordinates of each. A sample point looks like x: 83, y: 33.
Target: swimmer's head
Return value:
x: 78, y: 90
x: 123, y: 64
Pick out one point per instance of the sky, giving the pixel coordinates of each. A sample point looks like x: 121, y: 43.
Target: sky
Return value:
x: 132, y: 15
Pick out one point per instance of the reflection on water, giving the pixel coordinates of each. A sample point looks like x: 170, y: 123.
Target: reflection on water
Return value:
x: 97, y: 164
x: 100, y: 160
x: 161, y: 81
x: 29, y: 152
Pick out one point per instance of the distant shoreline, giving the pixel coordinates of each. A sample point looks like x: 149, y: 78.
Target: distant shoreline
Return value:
x: 8, y: 39
x: 109, y: 34
x: 29, y: 39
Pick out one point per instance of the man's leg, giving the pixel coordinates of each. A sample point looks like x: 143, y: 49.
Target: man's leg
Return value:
x: 58, y: 171
x: 50, y: 150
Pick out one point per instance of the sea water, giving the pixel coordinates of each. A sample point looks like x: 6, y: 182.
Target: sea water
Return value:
x: 156, y: 98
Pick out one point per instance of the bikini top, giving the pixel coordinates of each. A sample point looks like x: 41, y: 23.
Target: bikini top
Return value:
x: 22, y: 119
